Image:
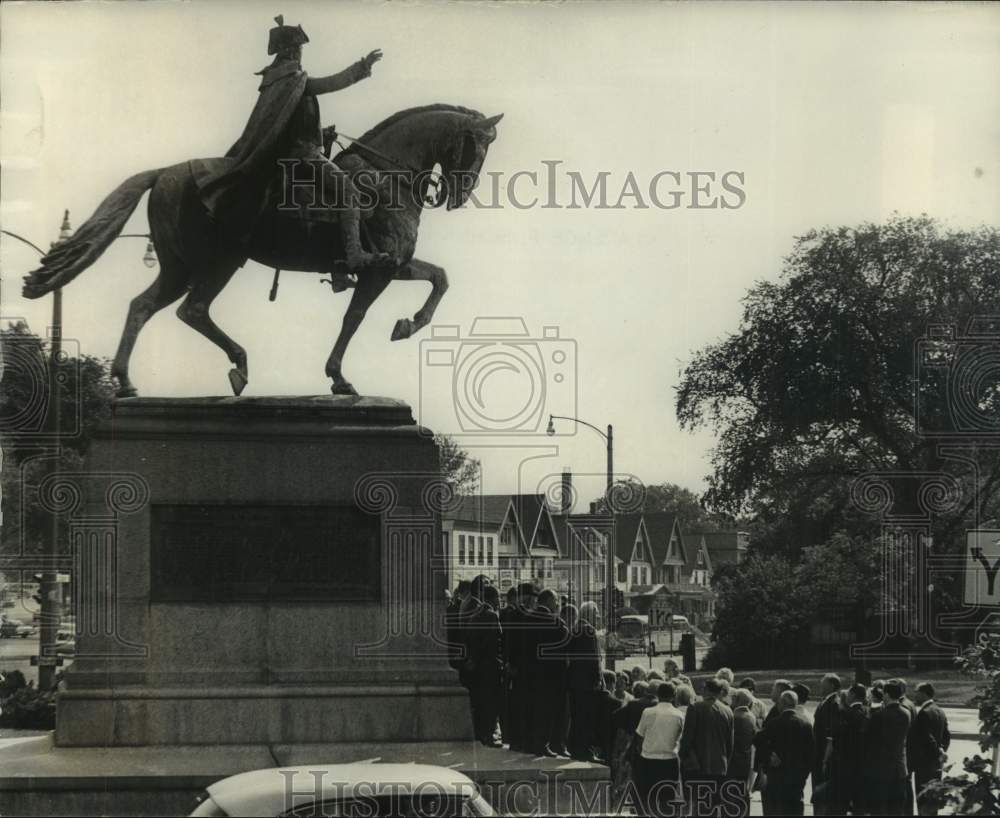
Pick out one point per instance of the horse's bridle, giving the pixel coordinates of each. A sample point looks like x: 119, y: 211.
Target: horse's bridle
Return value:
x: 435, y: 180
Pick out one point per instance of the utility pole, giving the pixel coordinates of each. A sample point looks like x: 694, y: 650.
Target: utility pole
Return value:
x: 51, y: 615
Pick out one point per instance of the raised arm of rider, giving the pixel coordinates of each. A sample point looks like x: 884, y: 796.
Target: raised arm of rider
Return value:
x: 343, y: 79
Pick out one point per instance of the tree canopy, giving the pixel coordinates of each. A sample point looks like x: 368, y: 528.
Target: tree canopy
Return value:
x: 632, y: 495
x: 459, y: 469
x: 85, y: 391
x: 823, y: 379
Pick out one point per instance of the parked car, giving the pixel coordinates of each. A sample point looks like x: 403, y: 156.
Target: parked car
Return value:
x: 12, y: 629
x: 345, y: 789
x: 65, y: 643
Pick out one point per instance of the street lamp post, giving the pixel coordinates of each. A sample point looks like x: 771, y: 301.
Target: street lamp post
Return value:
x: 50, y: 615
x: 49, y: 580
x: 609, y: 555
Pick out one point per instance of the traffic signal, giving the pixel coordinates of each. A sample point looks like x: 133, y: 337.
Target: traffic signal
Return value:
x: 37, y: 596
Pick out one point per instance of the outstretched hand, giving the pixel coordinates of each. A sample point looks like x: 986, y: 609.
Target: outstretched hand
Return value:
x: 373, y: 57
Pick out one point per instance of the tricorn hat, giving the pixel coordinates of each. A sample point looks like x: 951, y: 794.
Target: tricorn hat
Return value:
x: 282, y: 36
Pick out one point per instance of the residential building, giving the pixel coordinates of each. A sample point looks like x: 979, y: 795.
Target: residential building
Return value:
x: 726, y: 545
x: 510, y: 538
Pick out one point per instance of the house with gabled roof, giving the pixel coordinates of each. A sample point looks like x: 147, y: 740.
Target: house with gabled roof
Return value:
x: 726, y: 545
x: 584, y: 540
x: 684, y: 566
x: 511, y: 538
x: 668, y: 546
x: 636, y: 562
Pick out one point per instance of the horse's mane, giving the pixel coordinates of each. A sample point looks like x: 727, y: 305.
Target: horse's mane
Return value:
x: 420, y: 109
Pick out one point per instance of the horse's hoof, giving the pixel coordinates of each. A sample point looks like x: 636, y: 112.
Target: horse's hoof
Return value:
x: 343, y: 388
x: 126, y: 392
x: 403, y: 329
x: 238, y: 381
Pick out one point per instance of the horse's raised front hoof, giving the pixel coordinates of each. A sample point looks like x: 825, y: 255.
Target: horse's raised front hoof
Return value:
x: 126, y: 392
x: 403, y: 329
x: 238, y: 381
x: 343, y: 388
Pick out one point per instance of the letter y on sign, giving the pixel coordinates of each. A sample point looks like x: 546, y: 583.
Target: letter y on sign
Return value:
x: 982, y: 564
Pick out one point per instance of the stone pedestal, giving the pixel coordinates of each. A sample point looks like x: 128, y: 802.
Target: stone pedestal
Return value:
x: 258, y: 571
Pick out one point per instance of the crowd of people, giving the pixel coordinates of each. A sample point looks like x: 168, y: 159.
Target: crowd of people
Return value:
x: 534, y: 671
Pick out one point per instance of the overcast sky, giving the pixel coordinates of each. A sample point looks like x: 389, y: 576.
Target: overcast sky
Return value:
x: 834, y: 114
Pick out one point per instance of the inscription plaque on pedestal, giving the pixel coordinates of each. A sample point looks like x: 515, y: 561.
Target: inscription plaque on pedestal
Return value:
x: 264, y: 553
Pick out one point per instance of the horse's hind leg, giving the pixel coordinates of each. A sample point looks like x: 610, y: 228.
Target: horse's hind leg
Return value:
x: 193, y: 311
x: 167, y: 288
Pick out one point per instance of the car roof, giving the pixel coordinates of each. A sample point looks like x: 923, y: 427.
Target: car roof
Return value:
x: 266, y: 792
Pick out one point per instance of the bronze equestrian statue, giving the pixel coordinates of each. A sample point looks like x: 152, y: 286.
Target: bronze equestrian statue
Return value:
x: 207, y: 217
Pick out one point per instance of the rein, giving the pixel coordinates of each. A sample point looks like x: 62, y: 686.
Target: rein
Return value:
x: 435, y: 180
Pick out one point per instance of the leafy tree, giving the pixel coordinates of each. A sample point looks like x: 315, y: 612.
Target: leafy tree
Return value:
x: 85, y: 391
x: 683, y: 502
x: 818, y: 384
x: 460, y: 470
x: 841, y: 576
x: 764, y: 584
x: 977, y: 790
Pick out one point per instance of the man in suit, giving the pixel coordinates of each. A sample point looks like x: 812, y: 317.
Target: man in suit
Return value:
x: 706, y: 747
x: 887, y: 733
x: 825, y: 723
x: 584, y: 682
x: 546, y: 664
x: 485, y: 666
x: 757, y: 707
x: 744, y: 730
x: 456, y: 649
x: 507, y: 616
x: 761, y: 742
x: 791, y: 743
x: 848, y: 762
x: 520, y: 685
x: 802, y: 693
x: 907, y: 704
x: 927, y: 744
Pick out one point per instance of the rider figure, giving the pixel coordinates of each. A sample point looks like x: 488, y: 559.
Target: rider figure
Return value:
x: 285, y: 123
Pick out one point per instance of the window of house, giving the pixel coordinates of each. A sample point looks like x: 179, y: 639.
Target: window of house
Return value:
x: 701, y: 558
x: 635, y: 575
x: 505, y: 535
x: 482, y: 551
x: 622, y: 572
x: 600, y: 574
x: 489, y: 550
x: 461, y: 549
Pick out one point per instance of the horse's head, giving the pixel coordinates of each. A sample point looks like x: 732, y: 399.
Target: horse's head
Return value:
x: 449, y: 136
x: 462, y: 159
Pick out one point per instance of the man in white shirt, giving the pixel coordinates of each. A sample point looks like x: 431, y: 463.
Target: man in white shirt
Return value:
x: 658, y: 736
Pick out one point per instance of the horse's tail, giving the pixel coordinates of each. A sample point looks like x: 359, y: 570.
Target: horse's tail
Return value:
x: 70, y: 257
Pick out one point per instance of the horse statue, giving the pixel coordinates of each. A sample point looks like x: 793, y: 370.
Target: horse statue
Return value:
x: 198, y: 257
